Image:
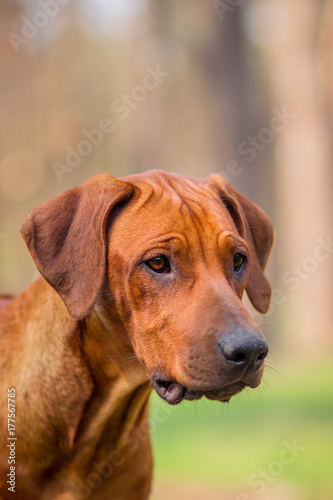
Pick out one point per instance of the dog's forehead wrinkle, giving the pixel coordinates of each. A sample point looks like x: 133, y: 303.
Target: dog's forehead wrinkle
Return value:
x: 163, y: 186
x: 188, y: 213
x: 172, y: 240
x: 191, y: 207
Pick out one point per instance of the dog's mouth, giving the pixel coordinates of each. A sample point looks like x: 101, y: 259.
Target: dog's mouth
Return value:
x: 173, y: 392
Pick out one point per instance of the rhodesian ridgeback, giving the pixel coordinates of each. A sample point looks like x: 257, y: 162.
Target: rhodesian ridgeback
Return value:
x: 141, y: 287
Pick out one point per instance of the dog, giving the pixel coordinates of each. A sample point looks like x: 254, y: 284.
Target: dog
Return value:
x: 141, y: 287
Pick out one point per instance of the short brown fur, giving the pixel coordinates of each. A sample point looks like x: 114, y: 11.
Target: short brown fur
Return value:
x: 82, y: 345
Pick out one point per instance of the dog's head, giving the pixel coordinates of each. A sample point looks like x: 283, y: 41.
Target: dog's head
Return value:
x: 177, y: 254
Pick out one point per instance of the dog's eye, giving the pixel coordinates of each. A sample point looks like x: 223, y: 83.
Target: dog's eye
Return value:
x: 239, y: 260
x: 159, y: 264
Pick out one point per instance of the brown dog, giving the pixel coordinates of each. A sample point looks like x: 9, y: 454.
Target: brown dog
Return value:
x: 142, y: 281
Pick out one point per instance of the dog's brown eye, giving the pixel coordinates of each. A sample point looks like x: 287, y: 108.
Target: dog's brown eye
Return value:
x: 239, y: 260
x: 159, y: 264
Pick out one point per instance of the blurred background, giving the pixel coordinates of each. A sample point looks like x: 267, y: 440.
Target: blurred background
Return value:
x: 238, y: 87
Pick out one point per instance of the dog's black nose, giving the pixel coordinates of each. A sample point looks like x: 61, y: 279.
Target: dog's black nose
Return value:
x: 243, y: 350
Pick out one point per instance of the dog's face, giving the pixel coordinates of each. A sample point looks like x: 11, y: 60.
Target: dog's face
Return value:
x: 180, y: 253
x: 180, y: 268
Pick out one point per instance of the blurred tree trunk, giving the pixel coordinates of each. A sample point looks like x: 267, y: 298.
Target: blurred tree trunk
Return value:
x: 303, y: 157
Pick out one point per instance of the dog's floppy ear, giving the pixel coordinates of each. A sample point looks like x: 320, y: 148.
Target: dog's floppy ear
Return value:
x: 256, y: 228
x: 66, y: 237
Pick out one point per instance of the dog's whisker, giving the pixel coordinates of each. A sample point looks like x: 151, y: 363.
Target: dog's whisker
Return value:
x: 128, y: 362
x: 273, y: 358
x: 125, y: 357
x: 273, y: 371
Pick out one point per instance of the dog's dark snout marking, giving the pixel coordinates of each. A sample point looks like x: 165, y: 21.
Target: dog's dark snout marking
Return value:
x: 243, y: 350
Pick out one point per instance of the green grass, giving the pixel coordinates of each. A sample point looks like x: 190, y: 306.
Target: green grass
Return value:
x: 230, y: 443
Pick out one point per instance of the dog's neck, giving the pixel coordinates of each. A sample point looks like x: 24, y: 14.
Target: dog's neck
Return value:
x: 116, y: 372
x: 105, y: 389
x: 116, y: 414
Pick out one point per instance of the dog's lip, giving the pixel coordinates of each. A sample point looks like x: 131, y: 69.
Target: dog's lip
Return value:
x: 173, y: 392
x: 225, y: 393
